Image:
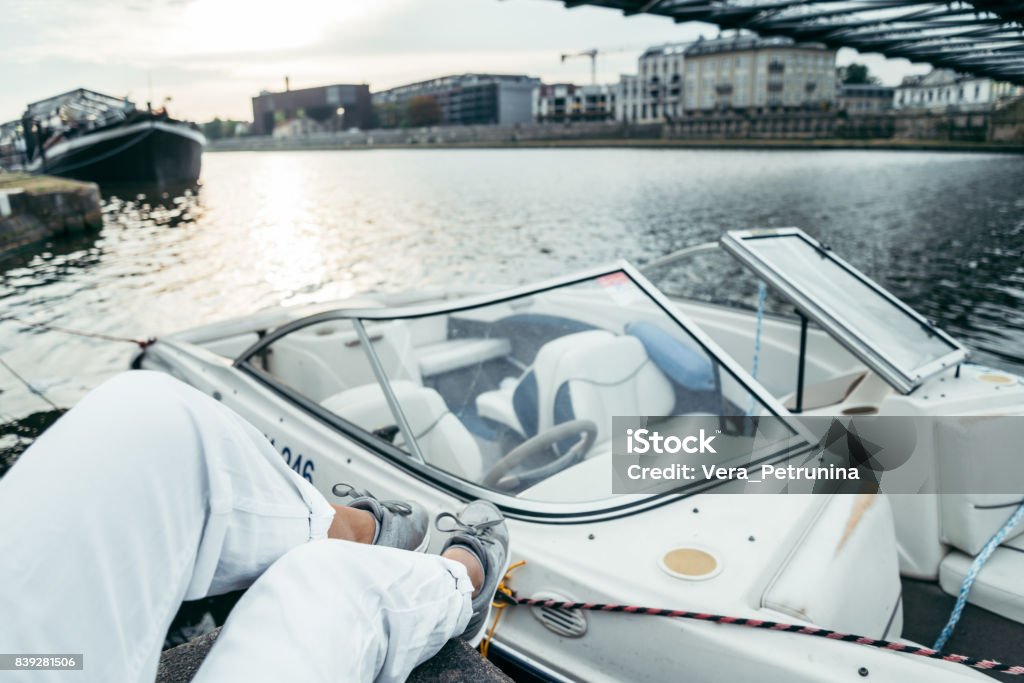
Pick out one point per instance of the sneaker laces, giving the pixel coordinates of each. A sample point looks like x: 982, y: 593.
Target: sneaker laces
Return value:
x: 396, y: 506
x: 480, y: 530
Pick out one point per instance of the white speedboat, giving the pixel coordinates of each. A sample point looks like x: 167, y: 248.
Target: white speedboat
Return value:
x: 448, y: 396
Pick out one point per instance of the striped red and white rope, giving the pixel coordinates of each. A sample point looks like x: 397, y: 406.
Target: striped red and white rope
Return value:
x: 984, y: 664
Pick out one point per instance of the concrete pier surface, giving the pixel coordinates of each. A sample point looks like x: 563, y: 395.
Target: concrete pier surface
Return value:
x: 457, y: 662
x: 35, y: 208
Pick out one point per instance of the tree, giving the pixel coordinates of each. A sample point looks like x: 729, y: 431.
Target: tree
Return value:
x: 858, y: 74
x: 220, y: 128
x: 386, y: 115
x: 422, y: 110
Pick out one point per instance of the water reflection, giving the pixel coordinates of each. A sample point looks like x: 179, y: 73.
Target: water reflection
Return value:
x: 943, y: 231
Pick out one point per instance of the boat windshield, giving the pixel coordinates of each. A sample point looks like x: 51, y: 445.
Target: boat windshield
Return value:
x: 516, y: 393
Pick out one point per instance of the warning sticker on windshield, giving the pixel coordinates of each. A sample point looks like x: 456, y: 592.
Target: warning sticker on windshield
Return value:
x: 619, y: 287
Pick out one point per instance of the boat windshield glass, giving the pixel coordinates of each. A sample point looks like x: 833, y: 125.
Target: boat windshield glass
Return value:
x: 882, y: 331
x: 497, y: 394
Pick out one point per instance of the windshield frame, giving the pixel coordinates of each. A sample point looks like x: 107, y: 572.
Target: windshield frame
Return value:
x: 824, y: 315
x: 614, y: 505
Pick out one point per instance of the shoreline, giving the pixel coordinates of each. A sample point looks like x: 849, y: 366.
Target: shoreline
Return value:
x: 884, y: 144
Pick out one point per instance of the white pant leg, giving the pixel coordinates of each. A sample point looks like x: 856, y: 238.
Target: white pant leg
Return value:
x: 342, y: 612
x: 146, y: 493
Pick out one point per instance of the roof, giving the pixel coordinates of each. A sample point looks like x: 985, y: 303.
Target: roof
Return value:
x: 981, y: 37
x: 744, y: 42
x: 456, y: 80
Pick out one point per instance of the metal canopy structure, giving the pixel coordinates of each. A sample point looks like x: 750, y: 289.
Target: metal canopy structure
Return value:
x: 81, y: 103
x: 983, y: 37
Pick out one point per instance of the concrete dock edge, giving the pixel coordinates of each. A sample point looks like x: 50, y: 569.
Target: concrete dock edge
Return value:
x: 35, y: 208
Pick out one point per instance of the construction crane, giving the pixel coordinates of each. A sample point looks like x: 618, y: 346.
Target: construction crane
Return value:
x: 593, y: 53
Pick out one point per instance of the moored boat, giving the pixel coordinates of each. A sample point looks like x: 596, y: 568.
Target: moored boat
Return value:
x: 512, y: 396
x: 91, y: 136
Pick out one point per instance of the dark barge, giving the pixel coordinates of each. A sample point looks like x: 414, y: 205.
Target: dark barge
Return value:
x: 91, y: 136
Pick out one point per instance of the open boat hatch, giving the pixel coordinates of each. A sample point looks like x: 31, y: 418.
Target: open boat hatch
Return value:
x: 888, y: 336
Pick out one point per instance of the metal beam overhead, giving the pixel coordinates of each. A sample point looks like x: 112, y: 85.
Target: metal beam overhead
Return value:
x: 980, y: 37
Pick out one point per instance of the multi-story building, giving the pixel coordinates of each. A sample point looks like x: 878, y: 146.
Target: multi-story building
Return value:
x: 332, y: 107
x: 944, y: 89
x: 467, y: 98
x: 655, y: 92
x: 760, y: 74
x: 863, y: 98
x: 561, y: 102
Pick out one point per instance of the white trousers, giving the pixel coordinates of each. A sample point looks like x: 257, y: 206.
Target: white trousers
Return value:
x: 148, y: 493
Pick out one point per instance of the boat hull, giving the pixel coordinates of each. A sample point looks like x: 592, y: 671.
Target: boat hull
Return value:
x: 148, y: 152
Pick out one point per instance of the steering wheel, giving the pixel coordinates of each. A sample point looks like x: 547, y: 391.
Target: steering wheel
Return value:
x: 500, y: 479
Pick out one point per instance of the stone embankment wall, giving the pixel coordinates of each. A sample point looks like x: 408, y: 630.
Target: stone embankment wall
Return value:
x: 34, y: 208
x: 956, y: 128
x: 1008, y: 124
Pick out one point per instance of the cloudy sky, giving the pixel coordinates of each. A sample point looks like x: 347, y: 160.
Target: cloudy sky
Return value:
x: 211, y: 56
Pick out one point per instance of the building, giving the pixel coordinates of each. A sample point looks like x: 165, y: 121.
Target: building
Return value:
x: 464, y: 99
x: 655, y: 92
x: 944, y: 89
x: 863, y: 98
x: 333, y: 107
x: 746, y: 72
x: 563, y: 102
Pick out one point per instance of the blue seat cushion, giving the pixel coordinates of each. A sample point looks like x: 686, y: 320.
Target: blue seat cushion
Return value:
x: 680, y: 362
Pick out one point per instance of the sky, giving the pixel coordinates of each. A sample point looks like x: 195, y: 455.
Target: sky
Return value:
x: 211, y: 56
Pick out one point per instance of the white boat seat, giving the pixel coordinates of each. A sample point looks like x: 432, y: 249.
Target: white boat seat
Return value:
x: 443, y: 439
x: 829, y: 392
x: 445, y: 356
x: 998, y: 587
x: 327, y: 357
x: 612, y: 377
x: 968, y: 521
x: 525, y: 405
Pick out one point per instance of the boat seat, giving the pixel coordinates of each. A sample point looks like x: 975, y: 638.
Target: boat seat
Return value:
x: 454, y: 354
x: 525, y: 405
x: 611, y: 377
x: 687, y: 366
x: 443, y: 439
x: 998, y: 587
x: 327, y: 357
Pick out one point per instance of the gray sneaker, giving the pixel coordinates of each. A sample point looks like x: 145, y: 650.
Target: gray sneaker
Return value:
x: 480, y: 529
x: 400, y: 524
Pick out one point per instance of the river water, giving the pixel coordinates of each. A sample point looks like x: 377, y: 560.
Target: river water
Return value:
x: 943, y: 231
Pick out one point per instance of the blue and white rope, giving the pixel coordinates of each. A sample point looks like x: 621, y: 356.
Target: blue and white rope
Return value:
x: 762, y: 294
x: 972, y: 574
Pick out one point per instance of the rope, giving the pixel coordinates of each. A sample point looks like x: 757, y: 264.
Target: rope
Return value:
x: 28, y: 385
x: 506, y: 594
x: 762, y: 294
x: 499, y: 606
x: 141, y: 343
x: 972, y: 574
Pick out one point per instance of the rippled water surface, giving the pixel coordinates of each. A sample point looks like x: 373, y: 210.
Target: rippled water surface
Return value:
x: 943, y: 231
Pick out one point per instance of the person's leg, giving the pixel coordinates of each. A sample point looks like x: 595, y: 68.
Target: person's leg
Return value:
x: 146, y: 493
x: 337, y: 611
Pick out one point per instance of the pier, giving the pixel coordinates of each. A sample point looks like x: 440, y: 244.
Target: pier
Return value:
x: 35, y: 208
